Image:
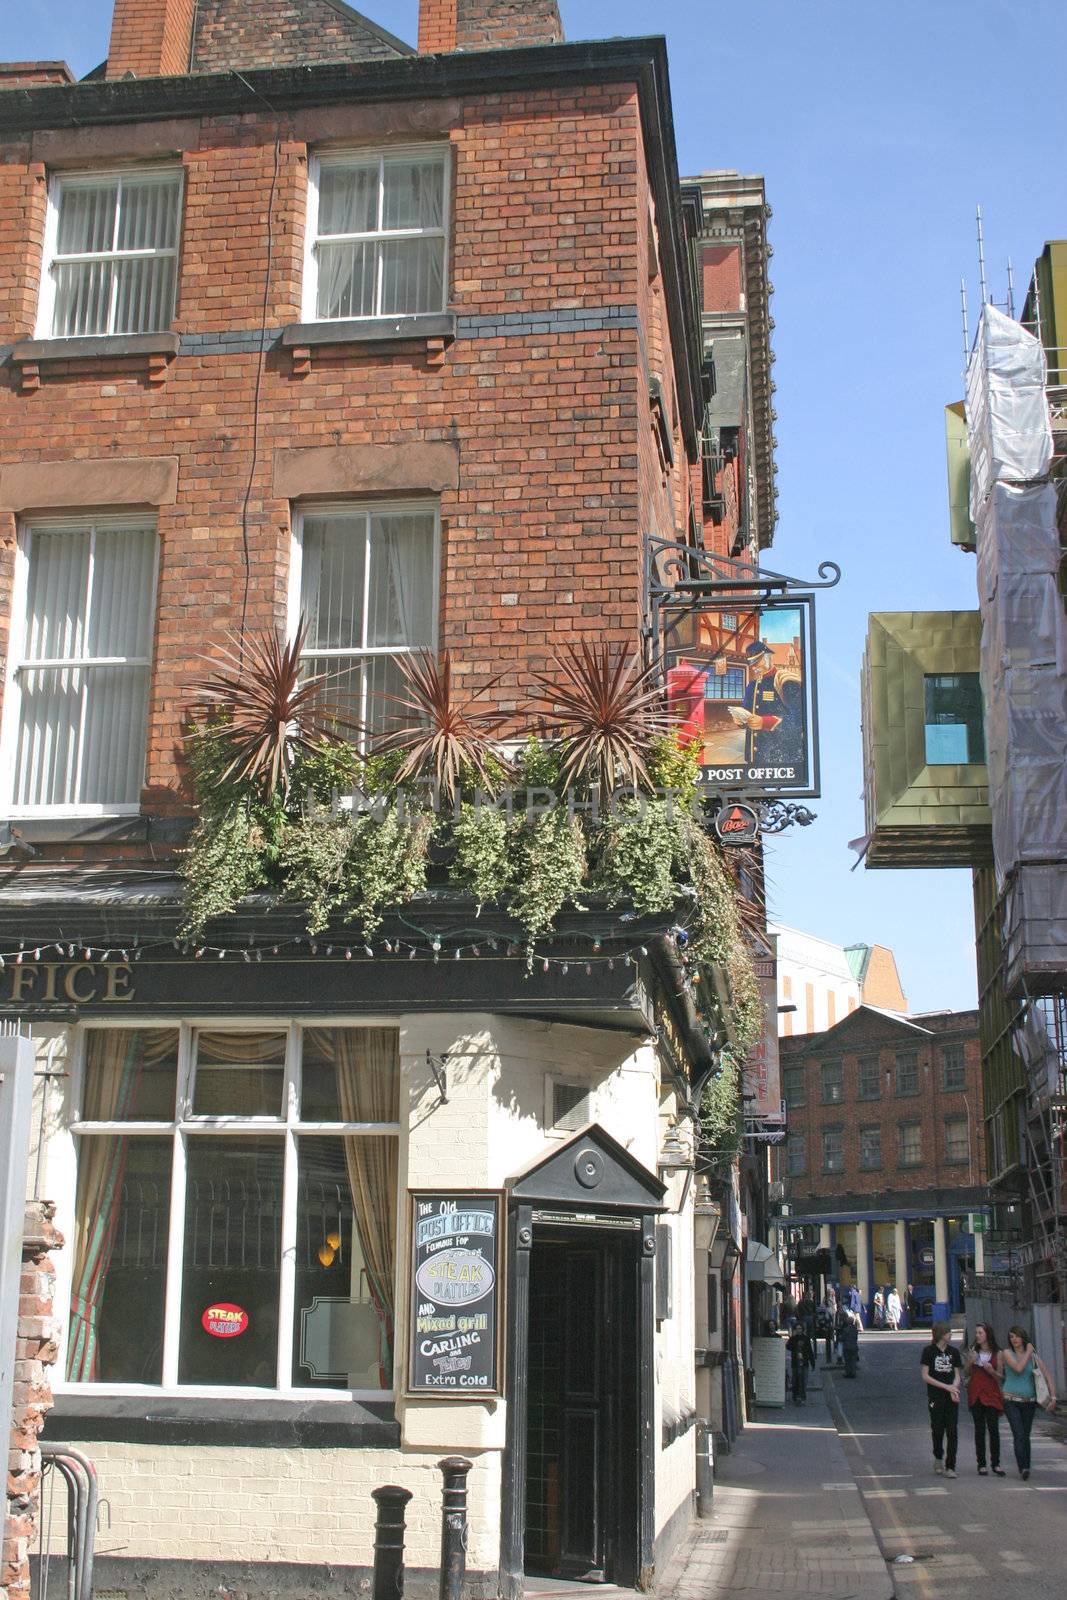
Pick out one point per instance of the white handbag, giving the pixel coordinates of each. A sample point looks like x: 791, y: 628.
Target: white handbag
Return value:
x: 1041, y: 1388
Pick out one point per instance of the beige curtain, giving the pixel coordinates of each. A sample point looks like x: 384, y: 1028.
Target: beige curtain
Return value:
x: 367, y: 1062
x: 114, y: 1061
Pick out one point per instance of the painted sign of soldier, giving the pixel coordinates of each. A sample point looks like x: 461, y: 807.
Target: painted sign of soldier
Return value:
x: 770, y: 710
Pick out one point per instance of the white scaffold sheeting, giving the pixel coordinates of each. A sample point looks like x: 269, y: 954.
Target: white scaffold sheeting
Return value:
x: 1024, y: 640
x: 1008, y: 426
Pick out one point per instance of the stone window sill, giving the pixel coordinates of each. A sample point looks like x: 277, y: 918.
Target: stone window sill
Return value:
x: 155, y: 350
x: 193, y: 1420
x: 433, y: 333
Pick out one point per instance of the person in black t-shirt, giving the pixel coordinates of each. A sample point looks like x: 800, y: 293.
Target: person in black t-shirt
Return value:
x: 941, y: 1367
x: 801, y: 1357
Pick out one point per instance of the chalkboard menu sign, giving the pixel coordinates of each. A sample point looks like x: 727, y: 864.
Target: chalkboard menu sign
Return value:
x: 455, y: 1294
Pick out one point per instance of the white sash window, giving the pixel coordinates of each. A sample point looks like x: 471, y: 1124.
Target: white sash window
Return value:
x: 111, y: 254
x: 377, y: 230
x: 77, y: 692
x: 365, y: 579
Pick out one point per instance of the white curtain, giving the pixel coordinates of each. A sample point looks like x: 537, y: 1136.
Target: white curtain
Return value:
x: 81, y: 729
x: 116, y: 295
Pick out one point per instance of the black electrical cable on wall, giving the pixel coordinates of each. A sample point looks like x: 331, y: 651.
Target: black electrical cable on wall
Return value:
x: 264, y: 309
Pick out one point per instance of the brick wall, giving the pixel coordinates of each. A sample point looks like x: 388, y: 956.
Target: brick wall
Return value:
x: 437, y: 26
x: 721, y: 276
x: 274, y: 33
x: 544, y: 393
x: 28, y: 74
x: 506, y: 24
x: 35, y: 1353
x: 150, y: 38
x: 930, y: 1106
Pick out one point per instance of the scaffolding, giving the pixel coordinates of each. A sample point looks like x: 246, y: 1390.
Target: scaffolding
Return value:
x: 1021, y: 903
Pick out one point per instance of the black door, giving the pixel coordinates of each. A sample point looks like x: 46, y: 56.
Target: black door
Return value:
x: 582, y: 1449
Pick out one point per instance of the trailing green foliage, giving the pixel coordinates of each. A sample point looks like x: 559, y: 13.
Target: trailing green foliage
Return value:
x: 647, y: 854
x: 721, y: 1113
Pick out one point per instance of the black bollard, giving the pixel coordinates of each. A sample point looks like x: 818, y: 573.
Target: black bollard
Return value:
x: 389, y: 1541
x: 454, y: 1527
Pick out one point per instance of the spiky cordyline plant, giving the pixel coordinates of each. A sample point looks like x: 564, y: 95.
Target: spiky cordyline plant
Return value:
x: 442, y: 732
x: 263, y: 710
x: 607, y: 710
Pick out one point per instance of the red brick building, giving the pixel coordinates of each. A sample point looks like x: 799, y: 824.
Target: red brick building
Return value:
x: 884, y: 1156
x: 299, y: 319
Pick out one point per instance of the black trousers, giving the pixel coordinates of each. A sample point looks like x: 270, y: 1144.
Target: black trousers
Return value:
x: 800, y: 1381
x: 986, y: 1421
x: 1020, y: 1415
x: 944, y: 1417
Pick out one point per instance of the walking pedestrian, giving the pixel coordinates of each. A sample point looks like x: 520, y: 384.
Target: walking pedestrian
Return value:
x: 806, y: 1313
x: 1020, y: 1367
x: 801, y: 1357
x: 878, y: 1308
x: 854, y: 1303
x: 910, y: 1307
x: 941, y: 1367
x: 892, y: 1310
x: 850, y: 1342
x: 984, y: 1398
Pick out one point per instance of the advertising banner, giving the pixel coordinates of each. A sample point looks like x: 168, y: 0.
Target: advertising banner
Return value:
x: 741, y: 685
x: 455, y: 1294
x: 764, y: 1114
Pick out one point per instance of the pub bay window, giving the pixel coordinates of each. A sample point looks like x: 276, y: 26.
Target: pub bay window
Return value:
x: 376, y: 234
x: 111, y: 253
x: 366, y: 578
x: 84, y: 610
x: 236, y: 1208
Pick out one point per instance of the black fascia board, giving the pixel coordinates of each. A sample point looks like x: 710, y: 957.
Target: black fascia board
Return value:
x: 287, y: 89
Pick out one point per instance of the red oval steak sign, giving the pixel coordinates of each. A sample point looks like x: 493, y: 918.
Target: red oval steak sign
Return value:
x: 224, y: 1321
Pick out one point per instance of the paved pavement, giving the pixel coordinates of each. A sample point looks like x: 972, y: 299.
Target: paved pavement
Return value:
x: 788, y: 1523
x: 806, y: 1509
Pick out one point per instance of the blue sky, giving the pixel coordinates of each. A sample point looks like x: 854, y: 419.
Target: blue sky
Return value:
x: 878, y: 128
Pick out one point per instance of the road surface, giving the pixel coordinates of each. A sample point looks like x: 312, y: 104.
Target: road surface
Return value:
x: 972, y: 1538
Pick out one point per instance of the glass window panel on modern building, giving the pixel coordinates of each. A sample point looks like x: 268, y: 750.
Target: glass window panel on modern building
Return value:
x: 869, y: 1078
x: 954, y: 730
x: 278, y: 1269
x: 957, y: 1141
x: 85, y: 612
x: 793, y: 1087
x: 833, y: 1150
x: 111, y: 254
x: 831, y: 1082
x: 368, y: 592
x: 953, y: 1067
x: 378, y: 224
x: 907, y: 1072
x: 910, y: 1144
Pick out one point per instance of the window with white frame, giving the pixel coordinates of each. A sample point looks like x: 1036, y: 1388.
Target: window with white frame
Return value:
x: 111, y: 253
x: 365, y: 580
x: 957, y: 1139
x: 236, y: 1207
x: 77, y: 691
x: 377, y: 234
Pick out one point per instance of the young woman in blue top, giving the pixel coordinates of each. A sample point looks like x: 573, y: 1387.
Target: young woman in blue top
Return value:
x: 1018, y: 1365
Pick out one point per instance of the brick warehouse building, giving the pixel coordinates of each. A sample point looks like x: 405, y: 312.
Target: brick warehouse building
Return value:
x: 297, y: 319
x: 884, y: 1160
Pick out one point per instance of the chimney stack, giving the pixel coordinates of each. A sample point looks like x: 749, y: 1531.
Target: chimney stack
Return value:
x: 446, y: 25
x: 150, y: 38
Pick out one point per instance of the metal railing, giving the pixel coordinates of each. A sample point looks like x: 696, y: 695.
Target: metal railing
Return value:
x: 70, y: 1573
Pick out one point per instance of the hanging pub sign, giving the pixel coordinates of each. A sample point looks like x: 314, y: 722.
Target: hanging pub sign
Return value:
x: 739, y: 683
x: 455, y: 1294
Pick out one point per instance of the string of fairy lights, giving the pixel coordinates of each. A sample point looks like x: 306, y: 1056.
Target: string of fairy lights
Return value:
x: 605, y: 946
